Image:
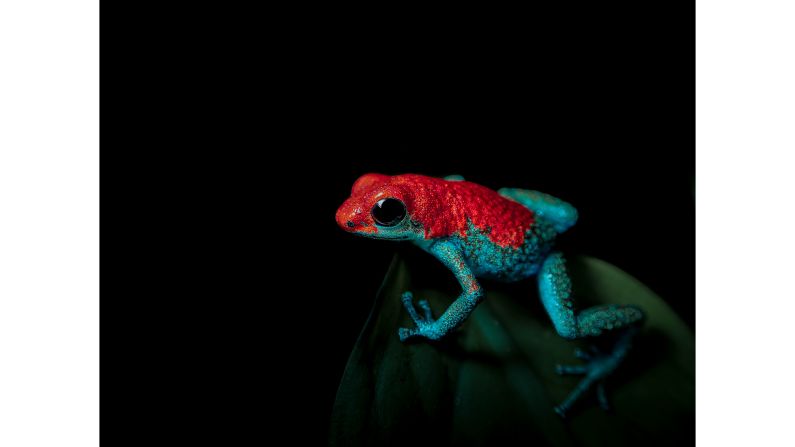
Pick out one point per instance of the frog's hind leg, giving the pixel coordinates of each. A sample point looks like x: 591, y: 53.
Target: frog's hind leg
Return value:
x: 595, y: 371
x: 555, y: 289
x: 561, y: 214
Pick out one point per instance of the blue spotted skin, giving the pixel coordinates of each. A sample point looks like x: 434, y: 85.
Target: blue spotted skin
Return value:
x: 475, y: 255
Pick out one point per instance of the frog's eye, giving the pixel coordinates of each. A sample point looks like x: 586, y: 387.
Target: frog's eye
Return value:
x: 388, y: 212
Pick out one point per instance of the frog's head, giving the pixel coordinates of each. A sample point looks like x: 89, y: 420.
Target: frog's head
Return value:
x: 379, y: 208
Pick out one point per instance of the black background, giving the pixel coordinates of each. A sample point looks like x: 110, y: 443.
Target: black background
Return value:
x: 235, y: 298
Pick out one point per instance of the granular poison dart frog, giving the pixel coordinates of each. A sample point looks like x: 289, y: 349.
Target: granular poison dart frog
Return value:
x: 506, y: 235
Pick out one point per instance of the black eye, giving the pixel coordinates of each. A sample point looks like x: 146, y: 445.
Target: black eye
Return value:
x: 389, y: 212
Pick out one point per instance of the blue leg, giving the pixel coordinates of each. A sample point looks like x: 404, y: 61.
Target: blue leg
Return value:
x: 449, y: 254
x: 555, y: 290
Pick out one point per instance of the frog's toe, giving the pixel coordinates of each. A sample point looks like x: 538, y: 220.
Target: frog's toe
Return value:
x: 601, y: 395
x: 407, y: 299
x: 570, y: 369
x: 426, y: 309
x: 588, y: 354
x: 406, y: 333
x: 426, y: 326
x: 562, y: 411
x: 596, y: 368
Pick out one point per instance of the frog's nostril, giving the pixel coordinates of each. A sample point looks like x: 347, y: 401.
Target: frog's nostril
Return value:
x: 349, y: 224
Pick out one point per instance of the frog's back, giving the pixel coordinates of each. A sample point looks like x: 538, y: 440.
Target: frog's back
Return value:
x: 448, y: 208
x: 500, y: 238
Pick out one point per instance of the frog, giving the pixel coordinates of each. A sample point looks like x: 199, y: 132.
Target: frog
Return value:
x: 505, y: 235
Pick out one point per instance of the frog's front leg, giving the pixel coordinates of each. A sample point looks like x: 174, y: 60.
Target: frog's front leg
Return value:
x: 555, y: 290
x: 452, y: 257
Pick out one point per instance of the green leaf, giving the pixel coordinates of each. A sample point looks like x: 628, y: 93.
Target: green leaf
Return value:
x: 493, y: 381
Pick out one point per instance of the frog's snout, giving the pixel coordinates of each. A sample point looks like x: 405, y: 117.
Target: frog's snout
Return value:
x: 351, y: 218
x: 345, y: 217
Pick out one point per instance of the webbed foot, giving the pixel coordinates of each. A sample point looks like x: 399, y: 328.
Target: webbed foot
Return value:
x: 597, y: 367
x: 426, y: 325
